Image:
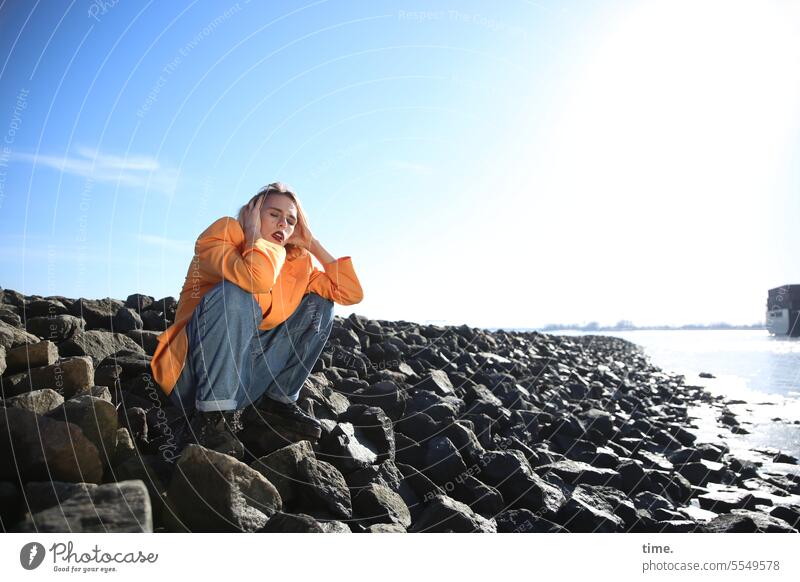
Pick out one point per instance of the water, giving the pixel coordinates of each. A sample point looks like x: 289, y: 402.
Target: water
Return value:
x: 748, y: 365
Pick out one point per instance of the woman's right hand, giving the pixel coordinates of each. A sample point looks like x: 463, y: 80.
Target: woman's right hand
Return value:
x: 252, y: 221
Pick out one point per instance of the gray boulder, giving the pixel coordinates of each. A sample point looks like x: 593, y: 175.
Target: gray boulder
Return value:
x: 87, y: 508
x: 214, y: 492
x: 39, y: 448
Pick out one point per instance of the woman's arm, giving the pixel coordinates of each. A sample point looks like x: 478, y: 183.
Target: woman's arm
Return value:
x: 338, y: 282
x: 217, y: 256
x: 316, y: 249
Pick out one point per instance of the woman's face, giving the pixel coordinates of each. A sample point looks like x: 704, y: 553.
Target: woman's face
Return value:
x: 278, y: 218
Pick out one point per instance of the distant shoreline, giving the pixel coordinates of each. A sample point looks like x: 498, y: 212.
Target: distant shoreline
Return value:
x: 691, y: 327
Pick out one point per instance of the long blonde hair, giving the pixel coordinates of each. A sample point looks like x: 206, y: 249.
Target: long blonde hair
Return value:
x: 283, y: 189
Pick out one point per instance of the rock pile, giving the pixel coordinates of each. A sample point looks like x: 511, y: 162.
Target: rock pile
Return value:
x: 425, y: 428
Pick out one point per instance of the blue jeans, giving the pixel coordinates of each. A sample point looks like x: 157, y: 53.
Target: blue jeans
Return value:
x: 231, y: 363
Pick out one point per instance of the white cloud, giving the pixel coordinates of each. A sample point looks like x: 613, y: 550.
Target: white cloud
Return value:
x: 140, y: 172
x: 37, y: 251
x: 170, y: 244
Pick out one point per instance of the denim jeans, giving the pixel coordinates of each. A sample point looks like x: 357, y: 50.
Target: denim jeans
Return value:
x: 231, y: 363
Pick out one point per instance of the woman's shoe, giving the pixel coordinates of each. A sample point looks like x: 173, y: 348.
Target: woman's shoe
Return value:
x: 292, y: 412
x: 216, y: 430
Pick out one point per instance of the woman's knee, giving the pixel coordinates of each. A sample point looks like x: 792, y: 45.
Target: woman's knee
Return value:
x: 232, y: 293
x: 322, y: 304
x: 322, y: 309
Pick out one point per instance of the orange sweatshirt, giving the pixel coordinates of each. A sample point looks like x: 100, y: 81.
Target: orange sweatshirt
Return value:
x: 277, y: 278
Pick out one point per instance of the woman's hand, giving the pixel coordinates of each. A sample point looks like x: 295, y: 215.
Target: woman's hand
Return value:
x: 252, y: 221
x: 301, y: 237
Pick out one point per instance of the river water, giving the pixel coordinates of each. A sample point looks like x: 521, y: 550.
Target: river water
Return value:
x: 761, y: 370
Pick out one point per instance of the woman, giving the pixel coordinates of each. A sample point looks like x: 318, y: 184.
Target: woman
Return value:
x: 253, y: 317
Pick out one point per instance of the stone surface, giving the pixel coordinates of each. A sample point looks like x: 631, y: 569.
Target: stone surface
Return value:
x: 97, y: 344
x: 37, y: 448
x: 122, y: 507
x: 67, y: 376
x: 39, y: 401
x: 213, y: 492
x: 23, y: 358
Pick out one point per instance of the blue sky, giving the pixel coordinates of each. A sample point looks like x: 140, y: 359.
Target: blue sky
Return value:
x: 508, y: 164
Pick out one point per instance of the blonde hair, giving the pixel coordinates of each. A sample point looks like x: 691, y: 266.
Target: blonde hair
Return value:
x: 277, y: 188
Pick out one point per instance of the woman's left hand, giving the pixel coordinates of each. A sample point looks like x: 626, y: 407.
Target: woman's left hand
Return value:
x: 301, y: 237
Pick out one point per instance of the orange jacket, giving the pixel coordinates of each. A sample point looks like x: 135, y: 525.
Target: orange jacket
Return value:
x: 277, y: 278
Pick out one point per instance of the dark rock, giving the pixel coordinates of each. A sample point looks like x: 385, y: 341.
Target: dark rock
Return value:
x: 281, y: 468
x: 28, y: 356
x: 442, y: 461
x: 10, y: 317
x: 67, y: 376
x: 125, y: 320
x: 386, y: 474
x: 320, y: 399
x: 96, y: 417
x: 379, y: 504
x: 292, y: 523
x: 146, y: 339
x: 45, y: 307
x: 419, y: 427
x: 98, y: 344
x: 154, y: 321
x: 789, y: 514
x: 511, y: 474
x: 98, y: 313
x: 384, y: 394
x: 132, y: 363
x: 39, y: 401
x: 437, y: 382
x: 577, y: 473
x: 386, y: 528
x: 12, y: 504
x: 11, y: 337
x: 213, y: 492
x: 525, y: 521
x: 139, y: 302
x: 57, y: 328
x: 348, y: 448
x: 108, y: 508
x: 38, y: 448
x: 323, y: 487
x: 375, y: 426
x: 587, y: 512
x: 444, y: 514
x: 745, y: 521
x: 265, y: 432
x: 154, y: 472
x: 724, y: 500
x: 480, y: 497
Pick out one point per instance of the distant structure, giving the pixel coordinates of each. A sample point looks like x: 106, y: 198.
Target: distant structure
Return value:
x: 783, y: 310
